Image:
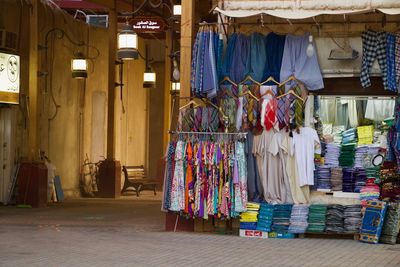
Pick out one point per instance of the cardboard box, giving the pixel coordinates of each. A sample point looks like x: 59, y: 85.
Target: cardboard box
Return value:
x: 281, y: 235
x: 253, y: 233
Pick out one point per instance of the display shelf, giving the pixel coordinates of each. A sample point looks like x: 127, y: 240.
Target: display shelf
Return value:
x: 346, y: 194
x: 355, y: 236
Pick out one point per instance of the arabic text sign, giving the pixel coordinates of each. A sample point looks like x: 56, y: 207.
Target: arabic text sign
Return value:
x: 9, y: 73
x: 148, y: 24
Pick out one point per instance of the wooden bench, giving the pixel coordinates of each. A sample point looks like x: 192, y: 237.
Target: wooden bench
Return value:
x: 136, y: 180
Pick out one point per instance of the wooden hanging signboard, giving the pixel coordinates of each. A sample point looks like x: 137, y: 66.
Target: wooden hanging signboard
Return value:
x: 148, y: 24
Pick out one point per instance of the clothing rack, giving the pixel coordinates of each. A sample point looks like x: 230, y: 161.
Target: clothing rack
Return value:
x: 207, y: 133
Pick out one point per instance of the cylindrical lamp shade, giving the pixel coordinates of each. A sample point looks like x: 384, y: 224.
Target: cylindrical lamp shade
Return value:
x: 127, y: 43
x: 79, y: 68
x: 149, y: 79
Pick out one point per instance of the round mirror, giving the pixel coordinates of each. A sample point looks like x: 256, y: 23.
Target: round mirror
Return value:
x: 377, y: 160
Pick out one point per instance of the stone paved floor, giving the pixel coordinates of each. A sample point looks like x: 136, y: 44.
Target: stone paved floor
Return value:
x: 129, y: 232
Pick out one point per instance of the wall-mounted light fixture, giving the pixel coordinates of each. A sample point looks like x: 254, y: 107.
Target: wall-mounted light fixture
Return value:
x: 127, y: 43
x: 149, y: 78
x: 175, y: 87
x: 79, y: 66
x: 177, y: 8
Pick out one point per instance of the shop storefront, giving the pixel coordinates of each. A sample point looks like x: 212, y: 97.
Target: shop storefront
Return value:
x: 291, y: 124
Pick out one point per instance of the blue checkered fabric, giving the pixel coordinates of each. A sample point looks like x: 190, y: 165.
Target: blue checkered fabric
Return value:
x: 390, y: 61
x: 374, y: 47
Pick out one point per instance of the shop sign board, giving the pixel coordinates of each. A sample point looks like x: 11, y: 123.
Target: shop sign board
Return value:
x: 148, y: 24
x: 9, y: 78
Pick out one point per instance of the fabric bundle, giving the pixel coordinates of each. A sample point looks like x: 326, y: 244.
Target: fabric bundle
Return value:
x: 298, y: 219
x: 348, y: 180
x: 349, y: 136
x: 373, y: 173
x: 352, y: 218
x: 316, y: 218
x: 281, y: 218
x: 335, y: 218
x: 360, y: 180
x: 265, y: 217
x: 324, y: 177
x: 332, y: 154
x: 248, y: 219
x: 365, y: 134
x: 372, y: 222
x: 347, y: 155
x: 391, y: 226
x: 369, y: 192
x: 337, y: 179
x: 337, y: 134
x: 361, y: 156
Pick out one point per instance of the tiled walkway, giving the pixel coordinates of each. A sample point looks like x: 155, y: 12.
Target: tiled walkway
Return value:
x: 128, y: 232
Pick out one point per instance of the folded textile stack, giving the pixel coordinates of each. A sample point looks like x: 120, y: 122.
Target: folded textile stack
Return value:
x: 332, y: 154
x: 352, y: 219
x: 249, y: 218
x: 364, y: 155
x: 348, y: 180
x: 349, y: 136
x: 360, y: 180
x: 369, y: 192
x: 265, y: 217
x: 324, y: 177
x: 347, y: 155
x: 335, y: 218
x: 391, y: 226
x: 315, y: 186
x: 365, y: 134
x: 281, y: 218
x: 316, y: 218
x: 372, y: 221
x: 337, y: 179
x: 373, y: 173
x: 298, y: 219
x: 337, y: 134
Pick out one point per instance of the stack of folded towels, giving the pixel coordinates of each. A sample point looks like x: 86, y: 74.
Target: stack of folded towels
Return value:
x: 298, y: 219
x: 352, y: 219
x: 365, y: 134
x: 265, y: 217
x: 281, y: 218
x: 335, y: 218
x: 336, y: 179
x: 316, y: 218
x: 248, y: 219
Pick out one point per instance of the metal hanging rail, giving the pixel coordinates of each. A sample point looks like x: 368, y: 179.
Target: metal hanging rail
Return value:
x: 208, y: 133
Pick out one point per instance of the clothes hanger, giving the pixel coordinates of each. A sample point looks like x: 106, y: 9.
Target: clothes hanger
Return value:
x: 270, y: 79
x: 193, y: 102
x: 227, y: 79
x: 249, y: 78
x: 268, y: 92
x: 291, y: 92
x: 248, y: 92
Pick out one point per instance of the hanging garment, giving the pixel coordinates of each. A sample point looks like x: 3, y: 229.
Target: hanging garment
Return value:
x: 240, y: 178
x: 296, y: 62
x: 268, y: 107
x: 397, y: 61
x: 253, y: 178
x: 306, y: 144
x: 178, y: 181
x: 168, y: 175
x: 391, y: 62
x: 379, y: 109
x: 274, y: 47
x: 300, y: 194
x: 239, y: 58
x: 257, y: 57
x: 229, y: 107
x: 374, y: 46
x: 309, y: 112
x: 281, y: 176
x: 228, y: 55
x: 186, y: 120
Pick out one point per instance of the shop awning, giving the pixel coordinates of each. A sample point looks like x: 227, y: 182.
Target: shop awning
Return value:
x: 301, y: 9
